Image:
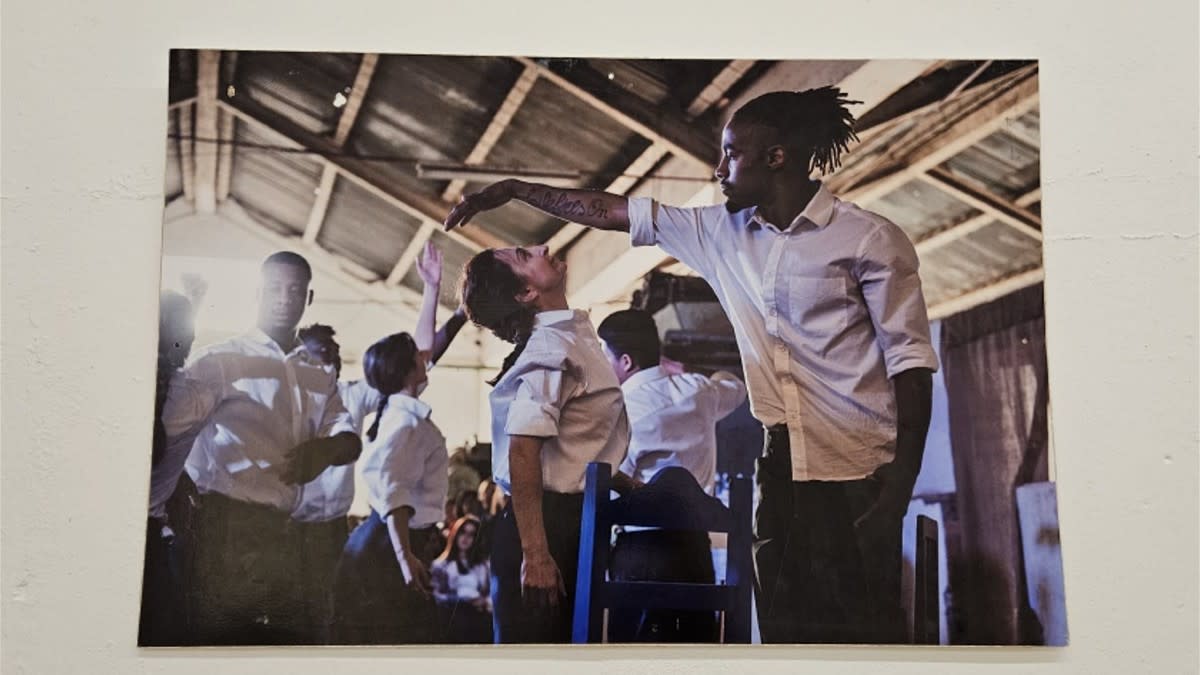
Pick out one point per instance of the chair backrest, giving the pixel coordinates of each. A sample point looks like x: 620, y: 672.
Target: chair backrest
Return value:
x: 671, y: 500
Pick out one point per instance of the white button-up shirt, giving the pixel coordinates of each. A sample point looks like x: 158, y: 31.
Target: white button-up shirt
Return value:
x: 186, y: 410
x: 826, y: 309
x: 561, y: 389
x: 330, y: 495
x: 674, y: 421
x: 271, y: 402
x: 407, y: 464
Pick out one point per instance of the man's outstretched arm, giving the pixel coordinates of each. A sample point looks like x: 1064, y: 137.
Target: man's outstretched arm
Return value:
x: 593, y: 208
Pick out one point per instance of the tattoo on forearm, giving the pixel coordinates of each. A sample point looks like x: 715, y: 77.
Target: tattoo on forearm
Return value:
x: 559, y: 203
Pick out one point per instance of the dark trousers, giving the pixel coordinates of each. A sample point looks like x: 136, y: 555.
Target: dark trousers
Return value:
x: 246, y: 587
x: 818, y: 579
x: 372, y: 603
x: 320, y: 547
x: 162, y: 620
x: 512, y: 620
x: 662, y: 555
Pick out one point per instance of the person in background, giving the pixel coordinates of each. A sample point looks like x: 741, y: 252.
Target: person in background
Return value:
x: 462, y: 586
x: 279, y: 422
x: 320, y: 518
x: 181, y: 407
x: 381, y: 590
x: 556, y: 406
x: 673, y: 416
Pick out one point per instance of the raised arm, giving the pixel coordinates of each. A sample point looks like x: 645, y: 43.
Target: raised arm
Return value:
x: 429, y: 268
x: 593, y: 208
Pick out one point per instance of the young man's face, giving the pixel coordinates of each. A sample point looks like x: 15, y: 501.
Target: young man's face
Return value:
x: 743, y: 171
x: 283, y: 297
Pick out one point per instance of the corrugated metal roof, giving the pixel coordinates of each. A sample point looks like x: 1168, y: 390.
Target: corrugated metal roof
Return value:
x: 989, y: 254
x: 300, y: 86
x: 921, y: 209
x: 454, y: 258
x: 366, y: 229
x: 278, y: 188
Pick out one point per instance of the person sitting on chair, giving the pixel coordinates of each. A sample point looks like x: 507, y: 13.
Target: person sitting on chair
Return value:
x: 673, y: 417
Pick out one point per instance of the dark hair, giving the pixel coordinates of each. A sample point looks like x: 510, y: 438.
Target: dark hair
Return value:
x: 489, y: 294
x: 632, y: 332
x: 475, y: 555
x: 318, y: 332
x: 814, y: 122
x: 289, y: 258
x: 172, y: 307
x: 386, y: 365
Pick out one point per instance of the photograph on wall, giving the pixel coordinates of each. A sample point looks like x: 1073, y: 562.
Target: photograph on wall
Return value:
x: 523, y: 349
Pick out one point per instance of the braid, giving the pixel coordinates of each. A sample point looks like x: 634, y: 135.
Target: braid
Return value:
x: 816, y: 122
x: 374, y: 430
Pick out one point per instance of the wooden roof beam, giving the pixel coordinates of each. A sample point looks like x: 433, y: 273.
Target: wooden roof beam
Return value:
x: 354, y: 102
x: 500, y: 121
x: 208, y: 63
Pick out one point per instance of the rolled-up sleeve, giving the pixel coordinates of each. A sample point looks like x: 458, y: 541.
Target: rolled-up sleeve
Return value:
x: 678, y: 231
x: 535, y: 409
x: 888, y: 273
x: 730, y: 393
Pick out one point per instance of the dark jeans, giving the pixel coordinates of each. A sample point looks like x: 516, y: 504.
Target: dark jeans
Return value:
x: 512, y: 620
x: 247, y: 587
x: 662, y: 555
x: 321, y: 545
x: 162, y: 618
x: 818, y: 579
x: 372, y: 603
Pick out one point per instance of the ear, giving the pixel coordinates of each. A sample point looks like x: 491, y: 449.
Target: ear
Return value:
x: 626, y: 363
x: 527, y: 296
x: 776, y: 157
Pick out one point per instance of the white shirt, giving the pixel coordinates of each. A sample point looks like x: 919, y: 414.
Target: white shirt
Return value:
x: 330, y: 495
x: 450, y: 585
x: 270, y: 403
x: 407, y: 464
x: 825, y: 309
x: 674, y: 421
x: 561, y: 389
x: 188, y: 405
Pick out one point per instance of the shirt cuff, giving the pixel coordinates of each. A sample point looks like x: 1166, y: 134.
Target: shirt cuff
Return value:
x: 530, y: 418
x: 641, y: 221
x: 394, y: 499
x: 907, y: 358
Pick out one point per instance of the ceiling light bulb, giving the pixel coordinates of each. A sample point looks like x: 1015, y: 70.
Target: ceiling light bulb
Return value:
x: 339, y: 100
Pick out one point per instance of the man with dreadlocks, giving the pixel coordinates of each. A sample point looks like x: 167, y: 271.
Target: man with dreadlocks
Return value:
x: 830, y: 320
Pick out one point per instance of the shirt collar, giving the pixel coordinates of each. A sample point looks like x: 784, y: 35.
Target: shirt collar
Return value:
x: 554, y: 316
x: 257, y: 336
x: 643, y: 377
x: 416, y: 407
x: 818, y: 211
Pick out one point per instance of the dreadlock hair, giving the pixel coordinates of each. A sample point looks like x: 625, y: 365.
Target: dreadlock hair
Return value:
x: 386, y: 365
x: 489, y: 294
x: 814, y: 122
x: 632, y: 332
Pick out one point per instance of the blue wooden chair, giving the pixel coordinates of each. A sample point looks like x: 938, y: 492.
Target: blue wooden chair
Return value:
x: 671, y: 500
